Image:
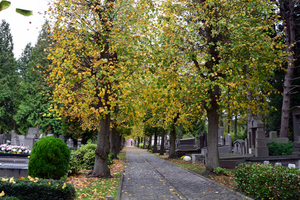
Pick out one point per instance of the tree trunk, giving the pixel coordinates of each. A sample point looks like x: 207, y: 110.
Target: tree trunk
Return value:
x: 118, y: 142
x: 212, y: 138
x: 235, y: 125
x: 113, y: 142
x: 138, y: 144
x: 149, y: 143
x: 144, y: 147
x: 155, y: 143
x: 122, y: 142
x: 101, y: 154
x: 172, y: 142
x: 162, y: 144
x: 287, y: 85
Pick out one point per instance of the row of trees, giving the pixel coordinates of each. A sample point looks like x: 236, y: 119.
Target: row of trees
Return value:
x: 118, y: 61
x: 143, y: 64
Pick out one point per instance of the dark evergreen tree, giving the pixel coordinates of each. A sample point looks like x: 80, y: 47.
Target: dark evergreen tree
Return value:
x: 35, y: 93
x: 8, y: 79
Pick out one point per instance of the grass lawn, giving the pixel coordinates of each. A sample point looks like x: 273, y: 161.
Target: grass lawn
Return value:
x: 224, y: 179
x: 98, y: 188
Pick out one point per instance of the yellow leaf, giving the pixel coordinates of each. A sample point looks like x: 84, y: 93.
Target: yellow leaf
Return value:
x: 2, y: 193
x: 65, y: 185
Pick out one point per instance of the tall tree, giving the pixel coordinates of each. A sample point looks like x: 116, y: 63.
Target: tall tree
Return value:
x: 207, y: 45
x: 8, y: 79
x: 289, y: 11
x: 34, y: 94
x: 84, y: 67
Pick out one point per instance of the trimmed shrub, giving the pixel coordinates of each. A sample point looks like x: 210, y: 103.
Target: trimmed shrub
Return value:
x: 49, y: 158
x: 41, y: 189
x: 268, y: 181
x: 278, y: 149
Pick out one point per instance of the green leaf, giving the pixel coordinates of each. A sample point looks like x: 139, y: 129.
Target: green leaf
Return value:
x: 24, y: 12
x: 4, y: 5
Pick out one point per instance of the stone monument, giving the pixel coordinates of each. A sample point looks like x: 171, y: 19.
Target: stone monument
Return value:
x: 257, y: 139
x: 296, y: 126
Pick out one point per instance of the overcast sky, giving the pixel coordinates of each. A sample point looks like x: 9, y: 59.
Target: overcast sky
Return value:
x: 25, y: 29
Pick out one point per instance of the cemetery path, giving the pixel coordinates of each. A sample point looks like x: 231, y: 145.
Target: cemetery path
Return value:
x: 148, y: 177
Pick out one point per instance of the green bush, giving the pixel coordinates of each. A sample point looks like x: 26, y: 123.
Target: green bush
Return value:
x: 49, y: 158
x: 86, y: 156
x: 110, y: 160
x: 268, y: 181
x: 221, y: 171
x: 89, y: 160
x: 41, y: 189
x: 80, y: 152
x: 142, y: 145
x: 278, y: 149
x: 74, y: 164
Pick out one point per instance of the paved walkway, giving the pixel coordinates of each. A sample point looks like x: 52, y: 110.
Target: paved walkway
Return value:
x: 148, y: 177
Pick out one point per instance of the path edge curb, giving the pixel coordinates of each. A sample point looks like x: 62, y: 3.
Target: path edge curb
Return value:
x: 226, y: 188
x: 121, y: 181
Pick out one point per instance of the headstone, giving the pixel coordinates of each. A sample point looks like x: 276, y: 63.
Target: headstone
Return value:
x: 296, y: 125
x: 198, y: 158
x: 200, y: 140
x: 62, y: 137
x: 291, y: 166
x: 2, y: 139
x: 266, y: 162
x: 272, y: 134
x: 278, y: 164
x: 220, y: 135
x: 33, y: 133
x: 70, y: 143
x: 204, y: 151
x: 21, y: 140
x: 14, y: 138
x: 246, y: 146
x: 239, y: 147
x: 79, y: 143
x: 298, y: 164
x: 228, y: 139
x: 187, y: 146
x: 257, y: 138
x: 222, y: 143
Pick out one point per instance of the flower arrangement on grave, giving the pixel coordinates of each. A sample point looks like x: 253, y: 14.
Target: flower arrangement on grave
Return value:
x: 5, y: 148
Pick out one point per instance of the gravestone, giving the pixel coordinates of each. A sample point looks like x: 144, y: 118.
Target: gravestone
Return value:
x: 220, y: 136
x: 273, y: 138
x: 187, y: 147
x: 30, y: 138
x: 21, y: 140
x: 14, y: 138
x: 278, y: 164
x: 2, y: 139
x: 296, y: 125
x: 272, y: 134
x: 290, y: 166
x: 266, y: 162
x: 239, y: 147
x: 257, y: 138
x: 79, y: 143
x: 62, y: 137
x: 70, y: 143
